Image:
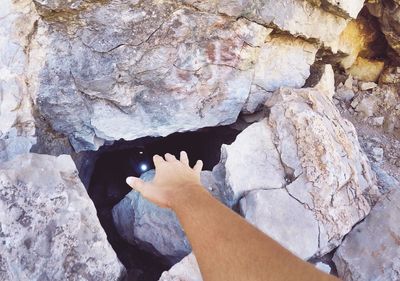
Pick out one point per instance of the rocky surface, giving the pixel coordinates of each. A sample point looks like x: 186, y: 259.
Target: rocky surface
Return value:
x: 185, y: 270
x: 49, y: 229
x: 155, y: 229
x: 388, y: 13
x: 17, y: 129
x: 371, y: 251
x: 314, y: 164
x: 375, y: 112
x: 297, y: 17
x: 163, y: 68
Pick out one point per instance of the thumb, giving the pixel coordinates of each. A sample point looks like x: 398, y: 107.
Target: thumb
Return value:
x: 136, y: 183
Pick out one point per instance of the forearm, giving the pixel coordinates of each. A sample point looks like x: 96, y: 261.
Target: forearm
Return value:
x: 229, y: 248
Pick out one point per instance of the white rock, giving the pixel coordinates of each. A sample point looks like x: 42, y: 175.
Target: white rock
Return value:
x: 267, y: 209
x: 186, y: 270
x: 49, y: 227
x: 307, y: 148
x: 344, y: 94
x: 280, y: 62
x: 323, y: 267
x: 378, y: 121
x: 327, y: 81
x: 17, y: 129
x: 364, y: 86
x: 157, y: 72
x: 371, y: 251
x: 298, y: 17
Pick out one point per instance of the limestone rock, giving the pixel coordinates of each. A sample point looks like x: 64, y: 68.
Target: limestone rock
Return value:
x: 268, y: 208
x: 186, y: 270
x: 298, y: 17
x: 345, y: 8
x: 17, y: 20
x: 49, y: 227
x: 155, y: 229
x: 305, y: 161
x: 162, y: 68
x: 371, y: 251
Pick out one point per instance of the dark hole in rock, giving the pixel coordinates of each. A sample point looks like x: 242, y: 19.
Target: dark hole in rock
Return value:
x: 126, y: 158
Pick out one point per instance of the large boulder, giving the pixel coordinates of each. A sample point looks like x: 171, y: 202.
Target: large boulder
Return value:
x: 156, y: 229
x: 371, y: 251
x: 48, y: 224
x: 18, y: 21
x: 300, y: 174
x: 156, y: 69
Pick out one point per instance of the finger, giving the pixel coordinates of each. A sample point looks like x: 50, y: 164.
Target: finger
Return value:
x: 184, y: 158
x: 170, y: 158
x: 157, y: 159
x: 198, y: 166
x: 136, y: 183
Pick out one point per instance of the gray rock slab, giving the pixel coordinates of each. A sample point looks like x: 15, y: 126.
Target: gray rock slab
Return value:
x: 48, y: 224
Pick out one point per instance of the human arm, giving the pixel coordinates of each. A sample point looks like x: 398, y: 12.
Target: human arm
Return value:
x: 225, y: 245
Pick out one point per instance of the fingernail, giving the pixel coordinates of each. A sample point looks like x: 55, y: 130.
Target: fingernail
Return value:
x: 130, y: 180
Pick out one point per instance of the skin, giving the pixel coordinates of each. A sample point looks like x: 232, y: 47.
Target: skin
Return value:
x: 225, y: 245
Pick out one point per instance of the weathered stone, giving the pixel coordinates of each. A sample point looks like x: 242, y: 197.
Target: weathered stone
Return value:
x: 313, y: 163
x: 345, y: 8
x: 298, y: 17
x: 49, y: 227
x: 267, y: 209
x: 357, y: 38
x: 153, y: 228
x: 327, y: 81
x: 388, y: 13
x: 186, y: 270
x: 163, y: 69
x: 371, y: 251
x: 364, y: 86
x: 366, y: 69
x: 18, y: 21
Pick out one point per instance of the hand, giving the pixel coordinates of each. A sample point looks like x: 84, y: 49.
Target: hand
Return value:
x: 174, y: 180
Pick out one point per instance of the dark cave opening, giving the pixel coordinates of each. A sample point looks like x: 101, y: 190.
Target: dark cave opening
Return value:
x: 126, y: 158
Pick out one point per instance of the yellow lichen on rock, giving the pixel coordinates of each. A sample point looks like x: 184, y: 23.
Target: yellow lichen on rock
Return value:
x: 366, y: 69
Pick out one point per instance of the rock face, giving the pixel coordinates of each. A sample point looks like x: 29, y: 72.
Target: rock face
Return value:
x: 298, y: 17
x: 49, y: 228
x: 155, y: 229
x: 186, y: 270
x: 160, y: 68
x: 304, y: 166
x: 388, y: 13
x: 17, y: 21
x: 371, y: 251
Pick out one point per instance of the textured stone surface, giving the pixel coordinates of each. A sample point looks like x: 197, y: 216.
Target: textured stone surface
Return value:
x: 162, y: 68
x: 371, y: 251
x: 345, y: 8
x: 186, y: 270
x: 388, y: 13
x: 155, y: 229
x: 313, y: 162
x: 284, y: 219
x: 49, y: 228
x: 17, y: 21
x: 298, y: 17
